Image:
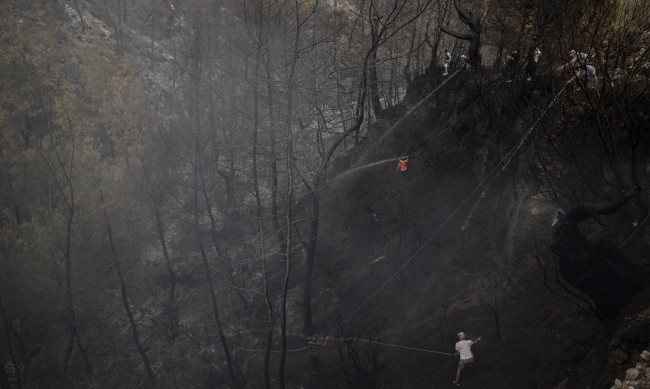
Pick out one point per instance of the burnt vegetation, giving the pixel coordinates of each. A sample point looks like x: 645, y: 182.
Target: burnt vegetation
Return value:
x: 204, y: 194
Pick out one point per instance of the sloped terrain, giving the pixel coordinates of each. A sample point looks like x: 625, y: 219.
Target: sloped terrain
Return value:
x: 449, y: 245
x: 173, y: 223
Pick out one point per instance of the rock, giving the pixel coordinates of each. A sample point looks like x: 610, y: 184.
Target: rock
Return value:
x: 618, y: 384
x: 645, y: 355
x: 632, y: 374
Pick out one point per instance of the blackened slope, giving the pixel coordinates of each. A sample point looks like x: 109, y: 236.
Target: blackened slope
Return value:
x: 464, y: 260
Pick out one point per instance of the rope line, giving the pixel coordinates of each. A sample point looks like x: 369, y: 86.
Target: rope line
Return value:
x: 455, y: 119
x: 306, y: 348
x: 507, y: 158
x: 261, y: 350
x: 409, y: 112
x: 416, y: 106
x: 635, y: 231
x: 397, y: 346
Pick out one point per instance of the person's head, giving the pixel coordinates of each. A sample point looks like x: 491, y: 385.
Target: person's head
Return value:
x: 572, y: 53
x: 461, y: 335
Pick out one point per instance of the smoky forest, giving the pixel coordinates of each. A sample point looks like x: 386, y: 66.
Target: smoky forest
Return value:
x: 316, y: 194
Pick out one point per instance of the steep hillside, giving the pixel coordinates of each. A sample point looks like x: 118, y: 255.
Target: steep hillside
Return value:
x: 460, y: 241
x: 168, y: 167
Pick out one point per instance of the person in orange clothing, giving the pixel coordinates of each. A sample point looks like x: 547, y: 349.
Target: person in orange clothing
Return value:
x: 401, y: 165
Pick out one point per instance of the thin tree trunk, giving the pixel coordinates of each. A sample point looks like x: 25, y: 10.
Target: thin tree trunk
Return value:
x: 4, y: 380
x: 256, y: 113
x: 215, y: 242
x: 289, y: 200
x: 274, y: 165
x: 171, y: 309
x: 199, y: 178
x: 81, y: 17
x: 73, y: 333
x: 260, y: 216
x: 287, y: 268
x: 152, y: 43
x: 314, y: 187
x: 68, y: 292
x: 125, y: 297
x: 393, y: 83
x: 213, y: 296
x: 269, y: 310
x: 372, y: 71
x: 309, y: 265
x: 120, y: 28
x: 84, y: 355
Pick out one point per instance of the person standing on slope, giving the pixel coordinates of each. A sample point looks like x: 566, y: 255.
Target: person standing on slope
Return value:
x: 464, y: 350
x: 446, y: 59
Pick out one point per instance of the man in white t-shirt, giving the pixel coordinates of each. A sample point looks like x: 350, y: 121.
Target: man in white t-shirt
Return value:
x: 464, y: 350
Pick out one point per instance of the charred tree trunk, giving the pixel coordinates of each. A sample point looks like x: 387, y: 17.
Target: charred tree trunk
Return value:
x: 198, y: 191
x: 228, y: 177
x: 125, y: 298
x: 314, y: 187
x: 68, y: 290
x: 4, y: 380
x: 213, y: 295
x: 309, y: 265
x: 274, y: 164
x: 289, y: 196
x: 75, y: 3
x: 170, y: 306
x: 473, y: 22
x: 372, y: 69
x: 434, y: 42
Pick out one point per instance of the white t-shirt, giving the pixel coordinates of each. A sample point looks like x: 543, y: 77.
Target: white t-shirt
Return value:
x: 464, y: 348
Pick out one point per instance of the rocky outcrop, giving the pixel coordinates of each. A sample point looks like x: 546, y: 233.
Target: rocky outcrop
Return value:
x: 637, y: 377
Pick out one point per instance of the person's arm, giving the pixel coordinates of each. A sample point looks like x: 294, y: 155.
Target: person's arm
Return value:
x: 476, y: 340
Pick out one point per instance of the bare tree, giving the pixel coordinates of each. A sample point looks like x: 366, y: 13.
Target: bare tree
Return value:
x: 125, y: 296
x: 361, y: 359
x: 300, y: 21
x: 155, y: 180
x: 61, y: 165
x: 473, y: 21
x: 385, y: 24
